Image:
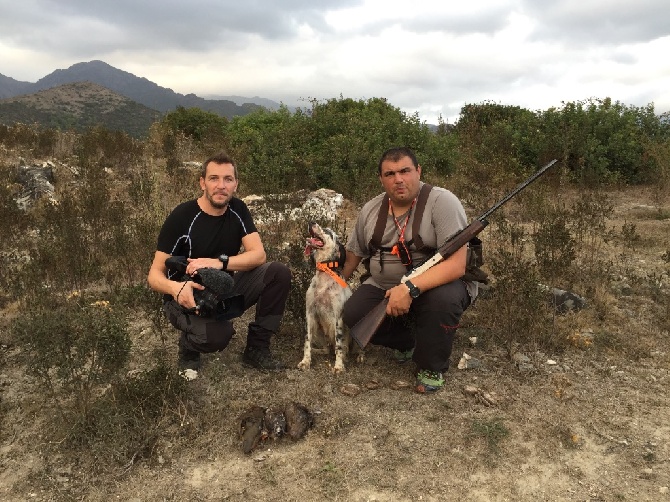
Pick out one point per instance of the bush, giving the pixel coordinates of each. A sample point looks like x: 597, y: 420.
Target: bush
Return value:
x: 74, y: 345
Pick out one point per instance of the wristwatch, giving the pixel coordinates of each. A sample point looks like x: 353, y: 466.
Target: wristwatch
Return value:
x: 224, y: 259
x: 414, y: 292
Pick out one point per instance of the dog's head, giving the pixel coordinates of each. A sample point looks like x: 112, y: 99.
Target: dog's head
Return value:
x: 323, y: 245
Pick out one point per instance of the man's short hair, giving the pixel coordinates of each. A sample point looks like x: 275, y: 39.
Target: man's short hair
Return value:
x: 395, y: 154
x: 219, y: 158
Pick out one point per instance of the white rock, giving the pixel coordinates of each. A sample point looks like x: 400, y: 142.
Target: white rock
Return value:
x: 189, y: 374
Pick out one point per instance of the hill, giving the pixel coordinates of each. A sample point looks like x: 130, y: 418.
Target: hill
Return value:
x: 78, y: 106
x: 136, y: 88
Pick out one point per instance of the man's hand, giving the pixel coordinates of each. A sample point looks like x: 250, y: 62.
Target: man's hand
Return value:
x: 196, y: 263
x: 399, y: 300
x: 183, y: 293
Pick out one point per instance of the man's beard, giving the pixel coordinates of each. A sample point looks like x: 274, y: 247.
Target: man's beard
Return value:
x: 219, y: 205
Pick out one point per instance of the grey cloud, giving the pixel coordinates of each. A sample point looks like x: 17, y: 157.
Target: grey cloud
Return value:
x: 600, y: 22
x: 92, y: 26
x: 456, y: 24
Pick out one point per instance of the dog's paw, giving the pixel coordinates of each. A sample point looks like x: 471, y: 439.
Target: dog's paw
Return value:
x: 304, y: 364
x: 338, y: 368
x: 360, y: 358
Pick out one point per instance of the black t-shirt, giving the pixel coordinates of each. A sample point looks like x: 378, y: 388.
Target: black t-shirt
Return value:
x: 189, y: 231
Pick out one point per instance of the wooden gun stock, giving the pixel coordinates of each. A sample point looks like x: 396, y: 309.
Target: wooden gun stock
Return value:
x: 365, y: 329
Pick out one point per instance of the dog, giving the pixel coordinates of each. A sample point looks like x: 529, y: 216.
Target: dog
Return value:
x: 326, y: 296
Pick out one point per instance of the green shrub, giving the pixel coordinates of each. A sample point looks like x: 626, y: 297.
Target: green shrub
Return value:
x: 73, y: 345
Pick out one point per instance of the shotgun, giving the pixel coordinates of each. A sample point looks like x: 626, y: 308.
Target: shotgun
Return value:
x: 364, y: 329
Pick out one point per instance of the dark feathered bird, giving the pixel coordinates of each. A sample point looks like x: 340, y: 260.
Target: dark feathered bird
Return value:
x: 251, y: 428
x: 274, y: 423
x: 298, y: 420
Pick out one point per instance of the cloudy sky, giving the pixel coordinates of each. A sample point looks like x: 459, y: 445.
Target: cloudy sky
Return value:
x: 425, y: 56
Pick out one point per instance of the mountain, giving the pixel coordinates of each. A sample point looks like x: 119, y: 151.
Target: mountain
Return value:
x: 257, y: 100
x: 78, y: 106
x: 10, y: 87
x: 138, y: 89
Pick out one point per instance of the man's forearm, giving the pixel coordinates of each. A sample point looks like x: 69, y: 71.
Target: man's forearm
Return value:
x: 160, y: 283
x: 350, y: 264
x: 444, y: 272
x: 248, y: 260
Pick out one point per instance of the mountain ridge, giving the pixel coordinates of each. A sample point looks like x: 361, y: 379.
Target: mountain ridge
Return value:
x: 138, y: 89
x: 79, y: 105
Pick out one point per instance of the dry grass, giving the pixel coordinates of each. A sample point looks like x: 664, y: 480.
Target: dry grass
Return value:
x: 592, y: 427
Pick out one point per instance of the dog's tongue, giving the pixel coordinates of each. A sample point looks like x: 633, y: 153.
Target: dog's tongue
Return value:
x: 311, y: 244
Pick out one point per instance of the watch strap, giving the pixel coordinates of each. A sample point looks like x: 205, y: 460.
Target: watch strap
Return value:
x: 414, y: 292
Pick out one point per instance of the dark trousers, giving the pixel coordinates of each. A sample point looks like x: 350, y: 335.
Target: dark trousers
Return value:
x: 429, y: 326
x: 266, y: 286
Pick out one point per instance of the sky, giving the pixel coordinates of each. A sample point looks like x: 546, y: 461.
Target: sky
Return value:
x: 429, y: 57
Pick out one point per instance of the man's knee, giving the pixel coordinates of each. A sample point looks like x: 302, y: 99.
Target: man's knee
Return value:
x: 452, y: 297
x: 218, y: 335
x: 279, y: 273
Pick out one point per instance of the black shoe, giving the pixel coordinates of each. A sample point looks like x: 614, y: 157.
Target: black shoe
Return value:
x: 261, y: 358
x: 188, y: 360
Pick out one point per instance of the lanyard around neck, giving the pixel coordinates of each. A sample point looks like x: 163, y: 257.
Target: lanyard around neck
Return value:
x: 401, y: 231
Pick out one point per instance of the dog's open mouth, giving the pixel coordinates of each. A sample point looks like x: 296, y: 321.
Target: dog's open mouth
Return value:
x: 314, y: 241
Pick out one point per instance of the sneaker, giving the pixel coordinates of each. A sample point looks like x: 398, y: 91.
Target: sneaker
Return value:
x: 429, y: 381
x: 188, y: 360
x: 261, y: 358
x: 402, y: 357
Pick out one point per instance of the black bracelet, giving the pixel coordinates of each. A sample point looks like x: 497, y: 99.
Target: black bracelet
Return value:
x: 182, y: 289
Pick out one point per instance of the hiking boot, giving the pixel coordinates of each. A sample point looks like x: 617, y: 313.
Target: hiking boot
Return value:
x: 429, y: 381
x: 403, y: 356
x: 188, y: 360
x: 261, y: 358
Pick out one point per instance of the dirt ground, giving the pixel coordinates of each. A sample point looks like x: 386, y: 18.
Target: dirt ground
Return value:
x: 594, y: 426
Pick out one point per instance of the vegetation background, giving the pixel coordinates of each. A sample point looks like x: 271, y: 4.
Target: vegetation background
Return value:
x: 91, y: 404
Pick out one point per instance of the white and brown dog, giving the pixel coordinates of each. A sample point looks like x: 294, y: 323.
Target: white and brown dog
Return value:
x: 326, y: 296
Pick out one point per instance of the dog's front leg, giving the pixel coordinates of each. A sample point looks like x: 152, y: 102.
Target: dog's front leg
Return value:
x: 340, y: 346
x: 307, y: 351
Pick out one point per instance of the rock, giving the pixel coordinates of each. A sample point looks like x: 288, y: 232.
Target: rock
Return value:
x: 372, y: 385
x: 399, y: 384
x: 188, y: 374
x: 350, y: 389
x: 485, y: 398
x: 36, y: 182
x: 321, y: 204
x: 566, y: 301
x: 468, y: 362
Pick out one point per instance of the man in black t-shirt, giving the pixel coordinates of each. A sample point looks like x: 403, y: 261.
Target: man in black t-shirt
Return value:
x: 209, y: 231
